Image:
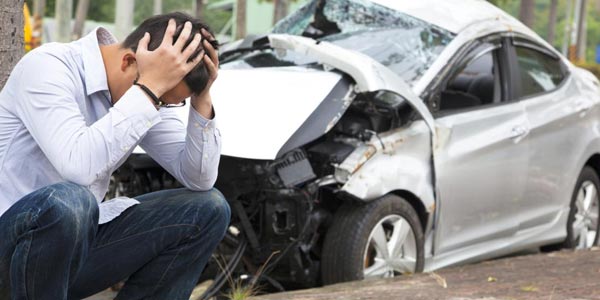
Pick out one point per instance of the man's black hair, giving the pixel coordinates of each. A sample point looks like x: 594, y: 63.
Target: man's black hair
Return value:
x: 196, y: 79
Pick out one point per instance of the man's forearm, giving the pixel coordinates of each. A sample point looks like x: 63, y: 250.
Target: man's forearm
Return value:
x: 203, y: 105
x: 190, y: 154
x: 200, y: 163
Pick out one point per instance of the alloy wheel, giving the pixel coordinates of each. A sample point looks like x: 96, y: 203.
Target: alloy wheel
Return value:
x: 391, y: 249
x: 585, y: 224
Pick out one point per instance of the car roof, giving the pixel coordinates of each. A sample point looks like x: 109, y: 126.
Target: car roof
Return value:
x: 452, y: 15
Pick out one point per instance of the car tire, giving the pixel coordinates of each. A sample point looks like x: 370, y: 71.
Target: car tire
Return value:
x: 351, y: 251
x: 584, y: 212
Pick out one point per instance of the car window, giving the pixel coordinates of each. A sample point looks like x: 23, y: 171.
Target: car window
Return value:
x: 405, y: 44
x: 539, y: 72
x: 476, y: 84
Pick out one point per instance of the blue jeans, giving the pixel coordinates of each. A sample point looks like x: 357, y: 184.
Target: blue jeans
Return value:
x: 51, y: 246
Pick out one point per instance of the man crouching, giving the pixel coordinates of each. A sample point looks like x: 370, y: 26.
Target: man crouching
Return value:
x: 70, y: 115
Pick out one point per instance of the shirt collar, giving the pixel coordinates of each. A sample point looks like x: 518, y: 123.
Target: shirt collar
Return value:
x: 95, y: 73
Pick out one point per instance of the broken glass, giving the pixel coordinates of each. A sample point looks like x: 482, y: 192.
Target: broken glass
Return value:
x: 407, y: 45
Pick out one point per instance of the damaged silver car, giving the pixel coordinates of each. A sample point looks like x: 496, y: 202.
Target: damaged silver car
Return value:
x: 377, y: 138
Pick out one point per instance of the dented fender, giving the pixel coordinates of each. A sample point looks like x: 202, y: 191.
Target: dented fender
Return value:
x: 406, y: 155
x: 406, y: 152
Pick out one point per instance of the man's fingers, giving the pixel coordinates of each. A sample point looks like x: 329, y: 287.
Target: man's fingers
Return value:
x: 192, y: 48
x: 184, y: 35
x: 143, y: 43
x: 210, y: 67
x: 194, y: 62
x: 169, y: 32
x: 207, y: 34
x: 212, y: 53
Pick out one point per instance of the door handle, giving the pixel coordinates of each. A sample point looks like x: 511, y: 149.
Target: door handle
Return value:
x: 582, y: 107
x: 518, y: 132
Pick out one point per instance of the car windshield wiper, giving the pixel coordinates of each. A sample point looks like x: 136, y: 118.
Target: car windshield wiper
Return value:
x: 249, y: 44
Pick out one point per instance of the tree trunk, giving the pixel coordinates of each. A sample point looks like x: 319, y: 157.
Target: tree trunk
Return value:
x: 63, y: 11
x: 123, y: 18
x: 80, y: 16
x: 11, y: 36
x: 552, y: 22
x: 199, y: 7
x: 39, y: 10
x: 582, y: 31
x: 280, y: 9
x: 39, y: 7
x: 157, y: 7
x: 568, y: 29
x: 240, y: 19
x: 527, y: 12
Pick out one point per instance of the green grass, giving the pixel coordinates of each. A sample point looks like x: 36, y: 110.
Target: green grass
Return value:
x: 240, y: 290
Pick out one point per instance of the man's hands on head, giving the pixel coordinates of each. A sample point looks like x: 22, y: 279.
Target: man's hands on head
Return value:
x: 162, y: 69
x: 203, y: 102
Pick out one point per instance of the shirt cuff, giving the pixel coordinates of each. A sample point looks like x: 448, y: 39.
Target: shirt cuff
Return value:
x: 135, y: 104
x: 196, y: 118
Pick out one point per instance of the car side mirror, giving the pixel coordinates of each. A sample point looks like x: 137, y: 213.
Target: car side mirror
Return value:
x: 387, y: 104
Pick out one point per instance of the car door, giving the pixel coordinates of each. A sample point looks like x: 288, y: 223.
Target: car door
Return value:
x: 557, y: 115
x: 481, y: 160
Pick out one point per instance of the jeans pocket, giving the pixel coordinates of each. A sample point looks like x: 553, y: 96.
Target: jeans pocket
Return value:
x: 18, y: 268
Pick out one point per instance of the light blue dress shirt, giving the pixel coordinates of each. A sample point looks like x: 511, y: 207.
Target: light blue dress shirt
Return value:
x: 57, y: 124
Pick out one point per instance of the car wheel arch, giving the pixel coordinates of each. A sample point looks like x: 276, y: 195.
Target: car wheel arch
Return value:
x: 424, y: 212
x: 417, y: 205
x: 588, y: 156
x: 346, y: 239
x: 594, y: 162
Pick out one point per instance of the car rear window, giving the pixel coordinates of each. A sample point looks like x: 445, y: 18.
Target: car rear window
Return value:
x: 539, y: 72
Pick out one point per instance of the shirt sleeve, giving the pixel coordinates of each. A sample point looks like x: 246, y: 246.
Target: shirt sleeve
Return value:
x: 80, y: 153
x: 190, y: 154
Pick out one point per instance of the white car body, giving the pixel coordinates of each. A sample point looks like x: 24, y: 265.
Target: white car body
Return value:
x: 493, y: 180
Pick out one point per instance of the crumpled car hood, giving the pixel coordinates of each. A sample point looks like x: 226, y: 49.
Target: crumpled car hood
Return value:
x: 258, y: 110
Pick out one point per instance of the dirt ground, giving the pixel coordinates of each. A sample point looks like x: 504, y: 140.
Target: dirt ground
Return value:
x: 553, y: 276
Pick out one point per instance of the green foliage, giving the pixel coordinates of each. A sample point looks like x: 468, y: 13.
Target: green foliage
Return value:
x: 144, y: 8
x: 497, y: 2
x: 271, y: 1
x: 101, y: 11
x: 215, y: 19
x: 542, y: 17
x: 104, y: 11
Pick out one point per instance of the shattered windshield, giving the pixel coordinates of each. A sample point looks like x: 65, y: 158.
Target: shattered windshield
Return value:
x: 408, y: 46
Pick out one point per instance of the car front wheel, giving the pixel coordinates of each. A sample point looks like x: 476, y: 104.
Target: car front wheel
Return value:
x: 383, y: 238
x: 582, y: 228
